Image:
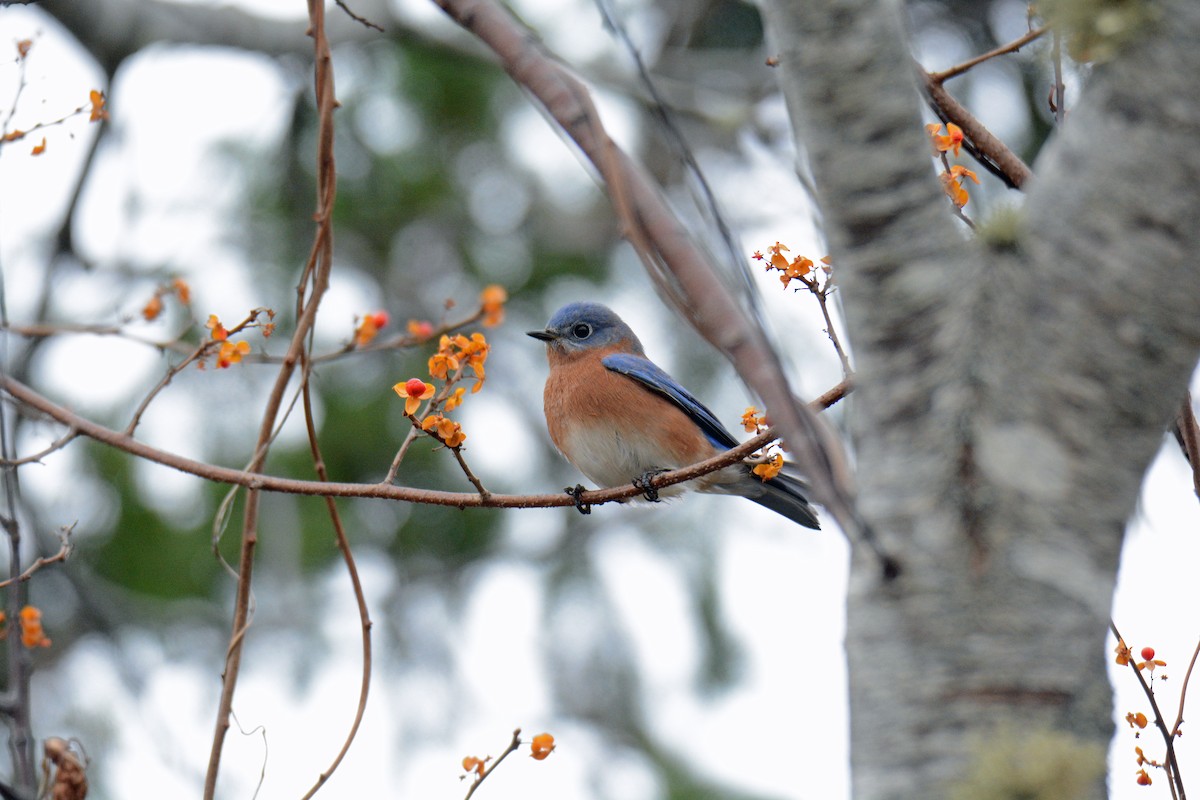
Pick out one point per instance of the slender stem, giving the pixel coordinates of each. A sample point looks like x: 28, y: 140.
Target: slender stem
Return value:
x: 403, y: 451
x: 1189, y: 438
x: 462, y: 463
x: 512, y: 746
x: 1060, y: 91
x: 1159, y: 721
x: 1183, y: 690
x: 1011, y: 47
x: 64, y: 552
x: 36, y: 458
x: 360, y: 599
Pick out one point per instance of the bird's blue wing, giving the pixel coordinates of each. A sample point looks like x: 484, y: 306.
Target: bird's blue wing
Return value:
x: 656, y: 380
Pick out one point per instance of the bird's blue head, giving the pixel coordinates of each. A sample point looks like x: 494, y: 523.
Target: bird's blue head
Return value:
x: 583, y: 326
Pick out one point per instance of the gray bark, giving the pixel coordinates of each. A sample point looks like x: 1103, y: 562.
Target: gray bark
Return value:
x: 1012, y: 388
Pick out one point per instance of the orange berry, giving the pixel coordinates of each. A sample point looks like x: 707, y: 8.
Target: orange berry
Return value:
x: 381, y: 319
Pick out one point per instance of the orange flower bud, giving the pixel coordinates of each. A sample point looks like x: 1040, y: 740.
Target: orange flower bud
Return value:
x: 153, y: 308
x: 541, y: 746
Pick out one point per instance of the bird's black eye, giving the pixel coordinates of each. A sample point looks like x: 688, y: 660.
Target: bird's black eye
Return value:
x: 581, y: 330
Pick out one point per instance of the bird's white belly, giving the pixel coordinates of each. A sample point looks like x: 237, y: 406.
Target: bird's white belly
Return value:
x: 612, y: 457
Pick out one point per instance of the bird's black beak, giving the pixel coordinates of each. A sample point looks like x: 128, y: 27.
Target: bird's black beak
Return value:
x: 545, y: 336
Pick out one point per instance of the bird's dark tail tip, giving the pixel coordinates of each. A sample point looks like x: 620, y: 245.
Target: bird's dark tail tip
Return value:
x: 785, y: 495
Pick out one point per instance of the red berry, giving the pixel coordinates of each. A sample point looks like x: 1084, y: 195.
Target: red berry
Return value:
x: 380, y: 318
x: 415, y: 387
x: 1147, y: 654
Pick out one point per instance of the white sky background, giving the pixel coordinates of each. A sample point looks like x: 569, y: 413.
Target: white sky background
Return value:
x: 781, y: 732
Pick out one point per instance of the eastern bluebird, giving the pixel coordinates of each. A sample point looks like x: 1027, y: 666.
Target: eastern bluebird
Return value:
x: 619, y: 418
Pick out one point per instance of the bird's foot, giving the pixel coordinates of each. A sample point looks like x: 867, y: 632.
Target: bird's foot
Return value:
x: 576, y: 493
x: 645, y: 482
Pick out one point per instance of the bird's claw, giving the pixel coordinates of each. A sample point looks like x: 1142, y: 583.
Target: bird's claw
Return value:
x: 576, y: 493
x: 645, y: 482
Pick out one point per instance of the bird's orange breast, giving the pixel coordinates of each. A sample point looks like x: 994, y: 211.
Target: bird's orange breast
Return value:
x: 610, y: 426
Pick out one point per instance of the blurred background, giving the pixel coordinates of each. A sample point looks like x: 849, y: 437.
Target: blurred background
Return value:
x: 687, y: 650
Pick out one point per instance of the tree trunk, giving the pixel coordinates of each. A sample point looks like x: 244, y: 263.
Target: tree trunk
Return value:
x: 1012, y: 389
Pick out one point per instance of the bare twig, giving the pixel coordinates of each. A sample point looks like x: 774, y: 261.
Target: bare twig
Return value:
x: 65, y: 549
x: 1183, y: 689
x: 962, y: 215
x: 197, y: 354
x: 683, y: 151
x: 395, y: 467
x: 177, y: 345
x: 822, y: 294
x: 360, y: 598
x: 1060, y: 90
x: 479, y: 487
x: 360, y: 20
x: 1011, y: 47
x: 1188, y: 432
x: 19, y: 666
x: 34, y: 458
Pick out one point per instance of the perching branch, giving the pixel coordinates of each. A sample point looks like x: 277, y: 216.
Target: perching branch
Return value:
x: 385, y: 491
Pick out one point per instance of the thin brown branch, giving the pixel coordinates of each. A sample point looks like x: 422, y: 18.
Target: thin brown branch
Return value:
x: 1060, y: 90
x: 992, y: 153
x: 1011, y: 47
x: 395, y: 466
x: 177, y: 345
x: 65, y: 548
x: 360, y: 598
x: 360, y: 20
x: 512, y: 746
x: 195, y: 355
x: 43, y: 330
x: 36, y: 458
x: 462, y: 463
x: 261, y: 482
x: 1188, y: 432
x: 1183, y: 690
x: 822, y: 294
